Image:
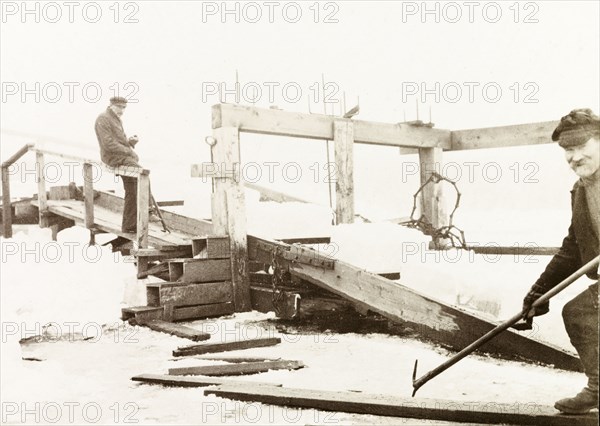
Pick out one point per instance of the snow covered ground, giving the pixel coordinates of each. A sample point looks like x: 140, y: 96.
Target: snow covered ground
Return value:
x: 80, y: 371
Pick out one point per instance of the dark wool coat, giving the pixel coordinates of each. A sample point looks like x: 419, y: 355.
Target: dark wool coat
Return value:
x: 579, y: 246
x: 115, y: 149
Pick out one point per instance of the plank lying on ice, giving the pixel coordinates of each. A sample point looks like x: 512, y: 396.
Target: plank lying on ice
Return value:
x: 237, y: 358
x: 227, y: 346
x: 237, y: 369
x: 191, y: 382
x: 419, y: 408
x: 177, y: 330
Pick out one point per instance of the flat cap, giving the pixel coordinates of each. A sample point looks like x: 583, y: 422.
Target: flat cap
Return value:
x: 577, y: 128
x: 118, y: 100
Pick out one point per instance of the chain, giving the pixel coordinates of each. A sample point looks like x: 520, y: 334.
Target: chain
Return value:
x: 449, y: 232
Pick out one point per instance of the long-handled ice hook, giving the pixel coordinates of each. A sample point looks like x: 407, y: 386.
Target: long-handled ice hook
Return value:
x: 417, y: 383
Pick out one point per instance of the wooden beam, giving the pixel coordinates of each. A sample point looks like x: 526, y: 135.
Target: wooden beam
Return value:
x: 318, y: 126
x: 391, y: 405
x: 227, y: 346
x: 430, y: 160
x: 343, y: 139
x: 191, y: 382
x: 267, y: 194
x: 229, y: 213
x: 42, y: 194
x: 143, y: 199
x: 515, y: 251
x: 236, y: 369
x: 504, y: 136
x: 183, y: 313
x: 6, y: 204
x: 88, y: 194
x: 187, y: 294
x: 429, y: 318
x: 22, y: 151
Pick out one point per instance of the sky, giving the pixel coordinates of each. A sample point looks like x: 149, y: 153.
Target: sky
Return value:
x: 461, y: 64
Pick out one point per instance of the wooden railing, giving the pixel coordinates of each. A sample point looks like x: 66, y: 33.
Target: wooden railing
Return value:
x: 143, y: 190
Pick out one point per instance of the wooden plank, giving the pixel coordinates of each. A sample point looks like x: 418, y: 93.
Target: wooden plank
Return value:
x: 516, y: 251
x: 318, y: 126
x: 430, y: 318
x: 504, y: 136
x: 88, y: 194
x: 202, y: 311
x: 42, y: 195
x: 186, y: 294
x: 206, y: 348
x: 236, y: 359
x: 267, y: 194
x: 236, y: 369
x: 143, y: 198
x: 59, y: 193
x: 343, y: 176
x: 306, y: 240
x: 142, y: 314
x: 206, y: 270
x: 170, y: 203
x: 6, y: 204
x: 177, y: 330
x: 191, y: 382
x: 417, y: 408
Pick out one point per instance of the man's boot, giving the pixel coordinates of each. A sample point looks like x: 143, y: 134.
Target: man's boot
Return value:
x: 587, y: 399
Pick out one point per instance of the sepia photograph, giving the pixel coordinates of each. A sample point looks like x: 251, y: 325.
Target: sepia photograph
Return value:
x: 299, y: 212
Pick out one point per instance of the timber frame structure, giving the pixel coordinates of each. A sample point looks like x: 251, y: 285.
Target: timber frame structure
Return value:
x: 211, y: 268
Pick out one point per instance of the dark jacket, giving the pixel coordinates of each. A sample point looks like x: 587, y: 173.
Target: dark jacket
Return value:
x: 115, y: 149
x: 579, y: 246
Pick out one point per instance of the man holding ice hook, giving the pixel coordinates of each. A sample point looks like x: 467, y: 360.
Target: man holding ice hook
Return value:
x: 578, y: 133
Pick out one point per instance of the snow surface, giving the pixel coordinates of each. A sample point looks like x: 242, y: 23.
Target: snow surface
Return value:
x: 84, y: 289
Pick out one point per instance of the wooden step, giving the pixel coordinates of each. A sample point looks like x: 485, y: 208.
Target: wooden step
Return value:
x: 186, y: 313
x: 189, y: 294
x: 206, y: 348
x: 211, y: 247
x: 142, y: 314
x: 392, y: 405
x: 199, y: 270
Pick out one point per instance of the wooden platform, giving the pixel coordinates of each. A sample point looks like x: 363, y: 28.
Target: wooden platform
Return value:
x: 110, y: 221
x: 417, y: 408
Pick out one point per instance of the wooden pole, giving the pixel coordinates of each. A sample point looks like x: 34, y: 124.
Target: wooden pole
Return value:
x: 6, y: 205
x: 143, y: 199
x: 430, y: 160
x: 229, y: 210
x: 88, y: 195
x: 42, y: 195
x: 343, y: 136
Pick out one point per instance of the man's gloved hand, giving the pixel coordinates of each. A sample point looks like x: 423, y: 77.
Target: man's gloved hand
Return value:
x: 133, y: 140
x: 535, y: 293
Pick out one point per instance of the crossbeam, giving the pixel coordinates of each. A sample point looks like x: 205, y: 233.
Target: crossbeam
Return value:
x: 319, y: 126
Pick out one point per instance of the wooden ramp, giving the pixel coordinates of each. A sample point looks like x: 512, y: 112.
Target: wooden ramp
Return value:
x: 108, y: 220
x: 415, y: 408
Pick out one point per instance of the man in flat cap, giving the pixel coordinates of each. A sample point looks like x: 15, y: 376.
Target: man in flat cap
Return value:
x: 578, y: 133
x: 117, y: 150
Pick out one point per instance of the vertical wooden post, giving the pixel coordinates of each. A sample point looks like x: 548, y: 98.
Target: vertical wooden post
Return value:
x: 343, y: 136
x: 42, y: 195
x: 88, y: 195
x: 6, y: 206
x: 143, y: 199
x: 229, y: 210
x: 431, y: 196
